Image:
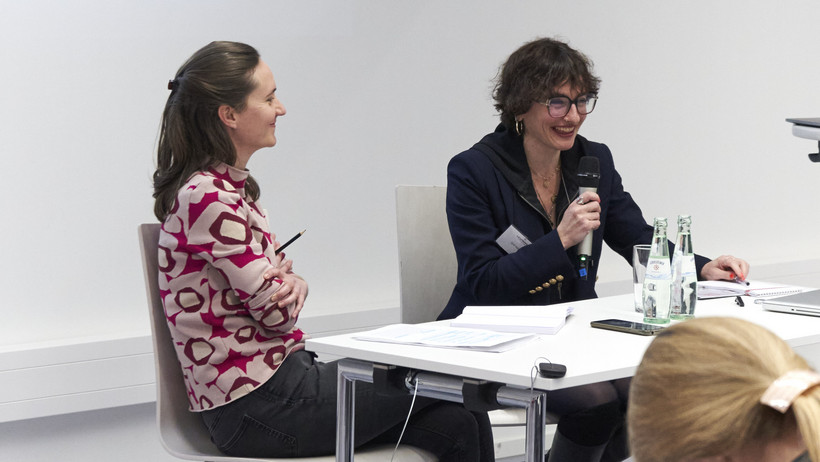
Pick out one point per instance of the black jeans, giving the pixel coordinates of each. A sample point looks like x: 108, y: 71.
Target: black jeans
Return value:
x: 294, y: 415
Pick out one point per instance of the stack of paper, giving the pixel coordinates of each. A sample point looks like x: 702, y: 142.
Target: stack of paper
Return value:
x: 436, y: 335
x: 540, y: 319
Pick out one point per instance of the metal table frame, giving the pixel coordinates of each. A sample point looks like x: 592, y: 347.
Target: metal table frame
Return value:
x: 434, y: 385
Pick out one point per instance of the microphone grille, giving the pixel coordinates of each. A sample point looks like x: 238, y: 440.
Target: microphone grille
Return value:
x: 588, y: 172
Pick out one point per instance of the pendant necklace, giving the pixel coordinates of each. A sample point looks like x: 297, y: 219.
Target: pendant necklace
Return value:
x: 546, y: 184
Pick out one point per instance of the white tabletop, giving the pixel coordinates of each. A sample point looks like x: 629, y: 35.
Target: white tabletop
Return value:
x: 591, y: 355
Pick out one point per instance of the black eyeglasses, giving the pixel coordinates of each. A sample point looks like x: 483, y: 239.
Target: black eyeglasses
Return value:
x: 558, y: 106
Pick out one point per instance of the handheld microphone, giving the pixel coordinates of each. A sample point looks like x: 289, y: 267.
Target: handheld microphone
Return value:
x: 588, y: 177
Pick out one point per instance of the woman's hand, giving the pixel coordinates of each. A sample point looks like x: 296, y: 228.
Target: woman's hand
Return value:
x: 292, y: 288
x: 280, y: 256
x: 725, y: 267
x: 582, y: 216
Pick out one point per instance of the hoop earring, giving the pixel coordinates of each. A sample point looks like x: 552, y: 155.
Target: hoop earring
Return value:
x: 519, y: 127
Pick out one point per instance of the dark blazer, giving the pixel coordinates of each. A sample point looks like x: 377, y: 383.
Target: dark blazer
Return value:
x: 489, y: 188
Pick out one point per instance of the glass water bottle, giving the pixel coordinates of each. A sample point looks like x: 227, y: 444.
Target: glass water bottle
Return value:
x: 657, y: 284
x: 684, y: 275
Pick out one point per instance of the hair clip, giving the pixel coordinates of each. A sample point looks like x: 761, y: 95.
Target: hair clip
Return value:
x: 173, y: 84
x: 782, y: 392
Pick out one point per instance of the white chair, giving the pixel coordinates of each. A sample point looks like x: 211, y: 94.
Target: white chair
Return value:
x: 182, y: 433
x: 427, y: 259
x: 428, y: 267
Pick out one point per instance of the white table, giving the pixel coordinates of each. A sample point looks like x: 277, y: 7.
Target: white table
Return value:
x: 591, y: 355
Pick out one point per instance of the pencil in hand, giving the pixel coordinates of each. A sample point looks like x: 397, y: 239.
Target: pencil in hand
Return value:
x: 282, y: 247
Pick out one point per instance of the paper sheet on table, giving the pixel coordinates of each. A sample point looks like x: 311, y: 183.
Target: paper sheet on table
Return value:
x: 445, y: 337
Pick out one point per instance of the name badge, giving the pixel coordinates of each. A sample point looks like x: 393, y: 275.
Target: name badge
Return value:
x: 511, y: 240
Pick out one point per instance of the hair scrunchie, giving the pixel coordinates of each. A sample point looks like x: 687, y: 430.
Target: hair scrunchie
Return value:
x: 782, y: 392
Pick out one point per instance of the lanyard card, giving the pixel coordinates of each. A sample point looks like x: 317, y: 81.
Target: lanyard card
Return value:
x: 511, y: 240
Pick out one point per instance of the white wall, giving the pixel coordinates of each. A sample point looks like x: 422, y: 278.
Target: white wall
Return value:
x: 379, y: 93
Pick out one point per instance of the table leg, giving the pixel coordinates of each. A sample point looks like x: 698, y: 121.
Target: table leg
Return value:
x: 348, y: 373
x: 536, y: 404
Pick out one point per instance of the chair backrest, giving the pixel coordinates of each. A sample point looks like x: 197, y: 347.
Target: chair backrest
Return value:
x: 182, y: 433
x: 427, y: 259
x: 428, y: 268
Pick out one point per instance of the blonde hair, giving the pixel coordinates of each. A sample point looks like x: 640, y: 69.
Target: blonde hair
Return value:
x: 697, y: 392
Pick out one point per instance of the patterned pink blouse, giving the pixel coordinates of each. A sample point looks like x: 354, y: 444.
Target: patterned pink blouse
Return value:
x: 213, y: 249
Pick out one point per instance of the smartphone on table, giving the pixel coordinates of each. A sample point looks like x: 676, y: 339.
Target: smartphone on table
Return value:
x: 631, y: 327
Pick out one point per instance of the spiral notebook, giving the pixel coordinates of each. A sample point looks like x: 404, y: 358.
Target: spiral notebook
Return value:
x: 717, y: 289
x: 807, y: 303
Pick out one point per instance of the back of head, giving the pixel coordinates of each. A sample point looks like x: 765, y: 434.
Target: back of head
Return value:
x: 697, y: 392
x: 191, y: 134
x: 536, y: 69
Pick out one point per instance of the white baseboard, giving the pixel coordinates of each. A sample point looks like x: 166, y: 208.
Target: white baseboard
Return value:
x: 97, y: 372
x: 72, y: 375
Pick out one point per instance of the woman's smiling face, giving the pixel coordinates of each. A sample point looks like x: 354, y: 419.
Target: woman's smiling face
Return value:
x: 546, y: 133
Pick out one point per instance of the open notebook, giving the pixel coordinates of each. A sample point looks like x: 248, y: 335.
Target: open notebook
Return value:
x: 539, y: 319
x: 717, y: 289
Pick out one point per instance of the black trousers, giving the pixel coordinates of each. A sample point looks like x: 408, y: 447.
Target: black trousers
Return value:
x: 294, y: 415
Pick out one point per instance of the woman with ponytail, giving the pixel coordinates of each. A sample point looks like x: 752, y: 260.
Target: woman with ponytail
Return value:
x: 232, y: 301
x: 723, y: 389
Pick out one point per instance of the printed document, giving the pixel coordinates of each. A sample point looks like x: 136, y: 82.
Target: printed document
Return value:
x: 436, y: 335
